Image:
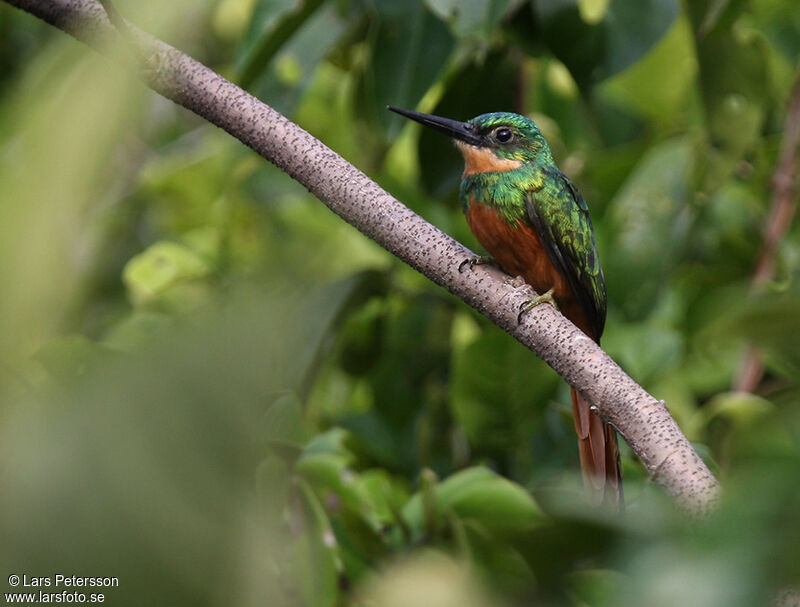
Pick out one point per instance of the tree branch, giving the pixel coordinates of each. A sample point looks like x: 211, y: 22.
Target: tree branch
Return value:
x: 643, y: 421
x: 784, y: 206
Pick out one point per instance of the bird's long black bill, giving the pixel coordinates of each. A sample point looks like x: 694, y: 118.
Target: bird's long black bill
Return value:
x: 463, y: 131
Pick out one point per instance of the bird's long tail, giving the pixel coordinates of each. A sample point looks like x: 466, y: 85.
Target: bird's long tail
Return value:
x: 599, y: 454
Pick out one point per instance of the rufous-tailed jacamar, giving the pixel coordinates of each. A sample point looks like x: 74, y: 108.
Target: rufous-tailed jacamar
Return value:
x: 534, y: 223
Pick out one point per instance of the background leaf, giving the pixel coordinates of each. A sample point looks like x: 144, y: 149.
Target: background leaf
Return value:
x: 595, y: 46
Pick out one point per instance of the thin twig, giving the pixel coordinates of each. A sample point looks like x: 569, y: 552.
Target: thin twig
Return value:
x: 784, y: 206
x: 116, y: 19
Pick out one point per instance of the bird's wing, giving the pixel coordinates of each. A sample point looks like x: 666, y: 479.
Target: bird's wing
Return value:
x: 561, y: 217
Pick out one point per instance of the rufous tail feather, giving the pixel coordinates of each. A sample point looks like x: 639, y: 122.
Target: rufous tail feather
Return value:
x: 599, y: 455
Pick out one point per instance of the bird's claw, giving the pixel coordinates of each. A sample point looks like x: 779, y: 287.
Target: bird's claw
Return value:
x: 474, y: 261
x: 526, y: 306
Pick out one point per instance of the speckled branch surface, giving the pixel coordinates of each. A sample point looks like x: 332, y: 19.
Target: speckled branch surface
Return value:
x: 644, y: 421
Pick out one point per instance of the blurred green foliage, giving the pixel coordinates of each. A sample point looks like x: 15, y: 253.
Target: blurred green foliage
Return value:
x: 219, y: 392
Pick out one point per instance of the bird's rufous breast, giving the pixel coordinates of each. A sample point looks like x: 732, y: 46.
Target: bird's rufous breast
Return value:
x: 519, y: 251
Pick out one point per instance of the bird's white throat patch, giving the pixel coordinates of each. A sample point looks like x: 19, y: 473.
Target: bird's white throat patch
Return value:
x: 484, y: 160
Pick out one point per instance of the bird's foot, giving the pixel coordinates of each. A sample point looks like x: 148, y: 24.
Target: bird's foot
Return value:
x: 536, y: 301
x: 471, y: 262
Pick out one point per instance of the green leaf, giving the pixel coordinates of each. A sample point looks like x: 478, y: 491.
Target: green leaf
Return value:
x: 361, y: 338
x: 725, y: 236
x: 770, y: 321
x: 594, y: 50
x: 658, y: 85
x: 734, y: 91
x: 331, y: 441
x: 499, y: 391
x: 405, y: 421
x: 360, y: 544
x: 384, y: 494
x: 378, y: 439
x: 283, y: 422
x: 274, y: 22
x: 348, y: 503
x: 316, y: 551
x: 500, y: 560
x: 69, y: 357
x: 741, y: 408
x: 650, y: 218
x: 409, y: 51
x: 322, y: 311
x: 645, y: 350
x: 780, y: 22
x: 136, y: 330
x: 280, y: 63
x: 471, y: 18
x: 167, y: 275
x: 182, y: 184
x: 338, y: 485
x: 596, y: 586
x: 273, y: 487
x: 502, y: 507
x: 328, y: 472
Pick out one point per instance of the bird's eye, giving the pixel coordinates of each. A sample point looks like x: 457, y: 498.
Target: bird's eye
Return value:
x: 503, y: 135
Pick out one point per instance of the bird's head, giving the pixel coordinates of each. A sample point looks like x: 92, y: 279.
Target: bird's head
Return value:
x: 499, y: 141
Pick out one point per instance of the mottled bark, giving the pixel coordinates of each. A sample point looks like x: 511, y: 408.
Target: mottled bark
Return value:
x: 644, y: 421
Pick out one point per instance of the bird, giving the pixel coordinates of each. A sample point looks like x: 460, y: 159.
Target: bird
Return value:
x: 534, y: 223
